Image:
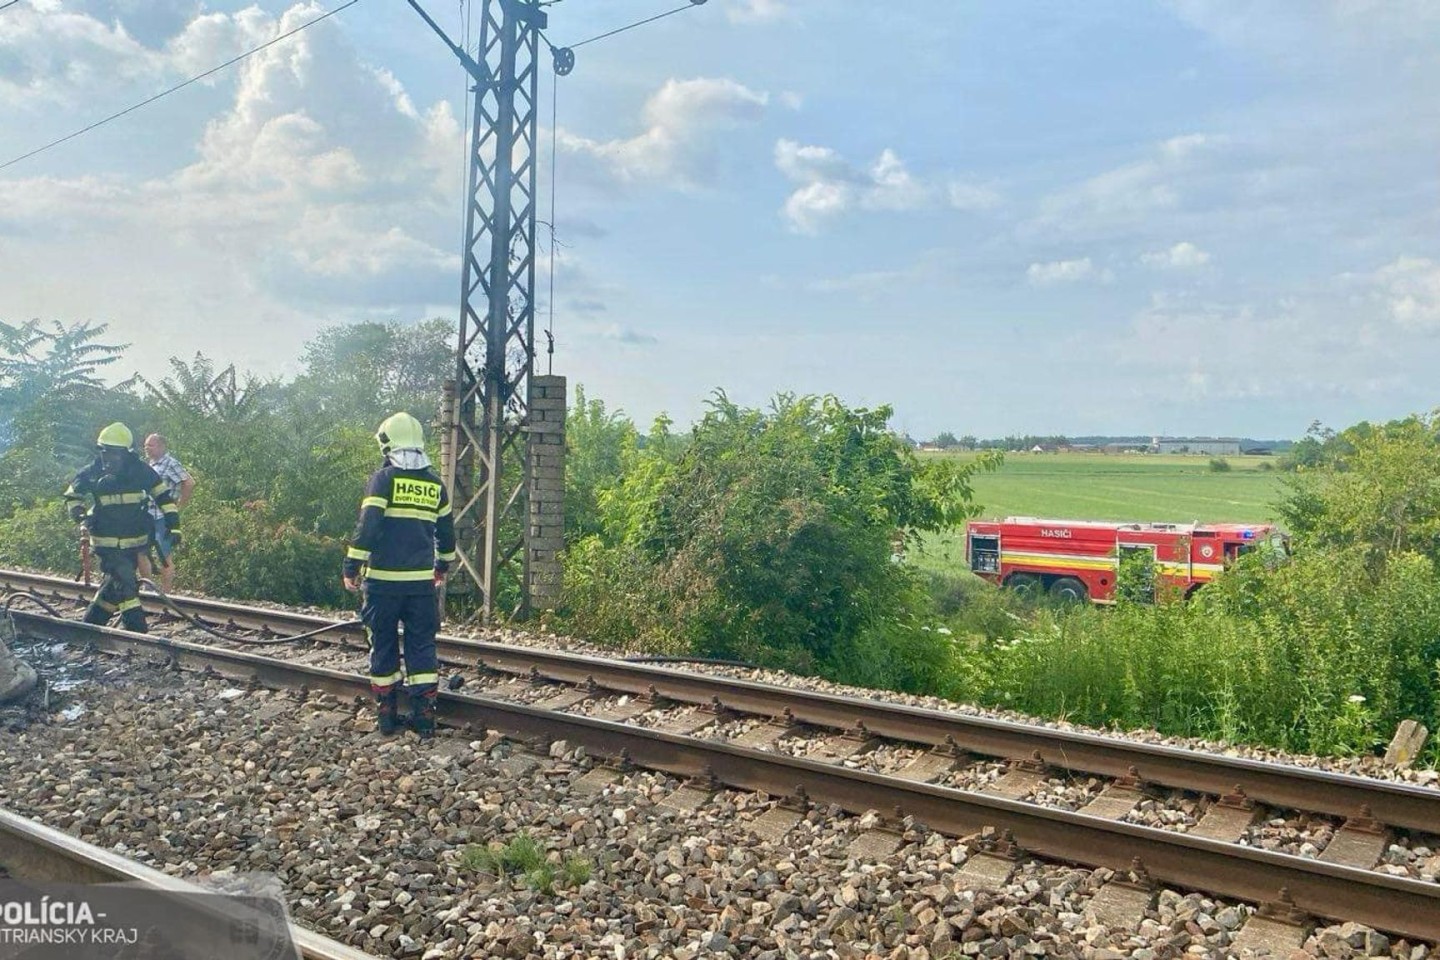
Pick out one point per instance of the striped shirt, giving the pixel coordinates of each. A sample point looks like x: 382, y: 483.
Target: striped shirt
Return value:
x: 173, y: 474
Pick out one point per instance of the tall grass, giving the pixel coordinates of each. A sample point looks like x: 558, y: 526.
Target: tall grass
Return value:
x: 1318, y: 655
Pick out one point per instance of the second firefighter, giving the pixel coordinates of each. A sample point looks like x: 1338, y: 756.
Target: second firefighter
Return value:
x: 402, y: 548
x: 118, y: 484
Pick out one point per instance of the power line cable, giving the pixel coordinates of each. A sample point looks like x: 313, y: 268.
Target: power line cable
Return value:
x: 179, y: 86
x: 554, y: 123
x: 6, y: 6
x: 637, y: 23
x: 465, y: 136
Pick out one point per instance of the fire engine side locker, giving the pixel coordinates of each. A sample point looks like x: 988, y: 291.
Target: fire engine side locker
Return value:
x: 982, y: 552
x: 1170, y: 555
x: 1124, y: 546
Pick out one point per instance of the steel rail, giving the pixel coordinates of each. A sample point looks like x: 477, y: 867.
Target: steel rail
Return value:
x: 1400, y: 905
x: 34, y: 852
x: 1274, y: 784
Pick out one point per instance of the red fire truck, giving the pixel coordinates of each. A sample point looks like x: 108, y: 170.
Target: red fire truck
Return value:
x: 1077, y: 560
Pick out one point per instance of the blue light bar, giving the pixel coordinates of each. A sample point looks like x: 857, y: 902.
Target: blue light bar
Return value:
x: 1247, y: 534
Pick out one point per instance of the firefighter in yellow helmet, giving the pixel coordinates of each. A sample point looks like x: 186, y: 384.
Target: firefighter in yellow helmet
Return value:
x: 401, y: 550
x: 109, y: 496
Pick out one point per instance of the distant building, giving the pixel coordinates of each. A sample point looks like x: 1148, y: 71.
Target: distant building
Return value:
x: 1201, y: 446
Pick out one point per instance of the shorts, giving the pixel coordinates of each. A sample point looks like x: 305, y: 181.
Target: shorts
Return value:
x: 161, y: 538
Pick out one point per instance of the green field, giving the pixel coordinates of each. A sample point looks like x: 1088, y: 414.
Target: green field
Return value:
x: 1092, y: 486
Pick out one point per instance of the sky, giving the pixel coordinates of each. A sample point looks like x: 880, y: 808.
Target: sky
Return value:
x: 1188, y: 217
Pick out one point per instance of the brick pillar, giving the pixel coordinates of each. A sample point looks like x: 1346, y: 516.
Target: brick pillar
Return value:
x: 546, y: 538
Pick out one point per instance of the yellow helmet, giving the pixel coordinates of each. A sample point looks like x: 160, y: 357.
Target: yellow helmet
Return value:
x: 400, y: 432
x: 116, y: 435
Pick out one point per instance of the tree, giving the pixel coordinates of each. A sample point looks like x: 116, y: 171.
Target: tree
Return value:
x: 364, y: 372
x: 768, y: 537
x: 1377, y: 487
x: 598, y: 443
x: 946, y: 441
x: 56, y: 362
x: 53, y: 402
x: 225, y: 397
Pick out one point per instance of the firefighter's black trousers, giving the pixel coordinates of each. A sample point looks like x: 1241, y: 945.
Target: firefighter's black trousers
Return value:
x: 383, y: 614
x: 119, y: 591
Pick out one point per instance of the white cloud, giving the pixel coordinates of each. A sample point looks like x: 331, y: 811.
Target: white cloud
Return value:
x: 1226, y: 351
x: 683, y: 121
x: 623, y: 334
x: 1132, y: 195
x: 973, y: 197
x: 318, y: 193
x: 1182, y: 256
x: 1060, y: 271
x: 1409, y: 289
x: 757, y: 11
x: 830, y: 186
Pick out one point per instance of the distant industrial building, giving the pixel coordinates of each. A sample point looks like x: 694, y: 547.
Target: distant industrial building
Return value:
x: 1203, y: 446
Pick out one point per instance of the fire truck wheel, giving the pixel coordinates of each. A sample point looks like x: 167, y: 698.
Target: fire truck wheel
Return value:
x: 1025, y: 584
x: 1069, y: 590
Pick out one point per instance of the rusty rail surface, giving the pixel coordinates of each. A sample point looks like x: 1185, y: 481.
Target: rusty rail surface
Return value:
x: 37, y: 853
x: 1274, y: 784
x: 1400, y: 905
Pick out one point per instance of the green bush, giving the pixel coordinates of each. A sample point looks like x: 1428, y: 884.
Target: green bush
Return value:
x: 41, y: 537
x: 241, y: 550
x: 1318, y: 655
x: 1219, y: 465
x: 768, y: 538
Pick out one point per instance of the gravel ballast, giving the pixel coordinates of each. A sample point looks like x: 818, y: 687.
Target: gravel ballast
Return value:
x: 376, y: 841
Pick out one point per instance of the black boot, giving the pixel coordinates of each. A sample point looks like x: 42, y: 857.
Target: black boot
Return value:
x: 422, y: 715
x: 97, y: 615
x: 388, y: 711
x: 134, y: 620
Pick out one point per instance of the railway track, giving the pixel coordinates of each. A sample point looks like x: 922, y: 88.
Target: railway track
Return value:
x: 1246, y: 785
x: 1094, y: 836
x: 34, y: 853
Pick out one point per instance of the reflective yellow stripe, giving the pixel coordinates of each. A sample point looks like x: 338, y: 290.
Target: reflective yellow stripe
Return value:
x: 444, y: 511
x: 124, y: 605
x: 170, y: 508
x: 159, y: 488
x: 355, y: 553
x: 404, y: 513
x: 119, y: 542
x: 116, y: 499
x: 447, y: 557
x: 385, y: 680
x: 380, y: 502
x: 1056, y: 560
x: 416, y: 679
x: 400, y: 574
x: 107, y: 607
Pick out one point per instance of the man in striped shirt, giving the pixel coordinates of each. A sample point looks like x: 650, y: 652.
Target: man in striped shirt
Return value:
x: 181, y: 485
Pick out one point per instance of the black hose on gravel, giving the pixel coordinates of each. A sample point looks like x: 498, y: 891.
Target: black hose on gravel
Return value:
x: 193, y: 621
x: 33, y: 598
x: 257, y: 641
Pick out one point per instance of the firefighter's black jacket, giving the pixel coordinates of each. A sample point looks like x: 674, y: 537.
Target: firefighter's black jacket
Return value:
x: 118, y: 517
x: 405, y: 534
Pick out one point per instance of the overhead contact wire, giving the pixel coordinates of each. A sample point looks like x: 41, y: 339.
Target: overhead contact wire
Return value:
x: 637, y: 23
x: 179, y: 86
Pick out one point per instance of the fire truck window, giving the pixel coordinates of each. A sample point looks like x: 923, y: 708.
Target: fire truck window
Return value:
x: 985, y: 554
